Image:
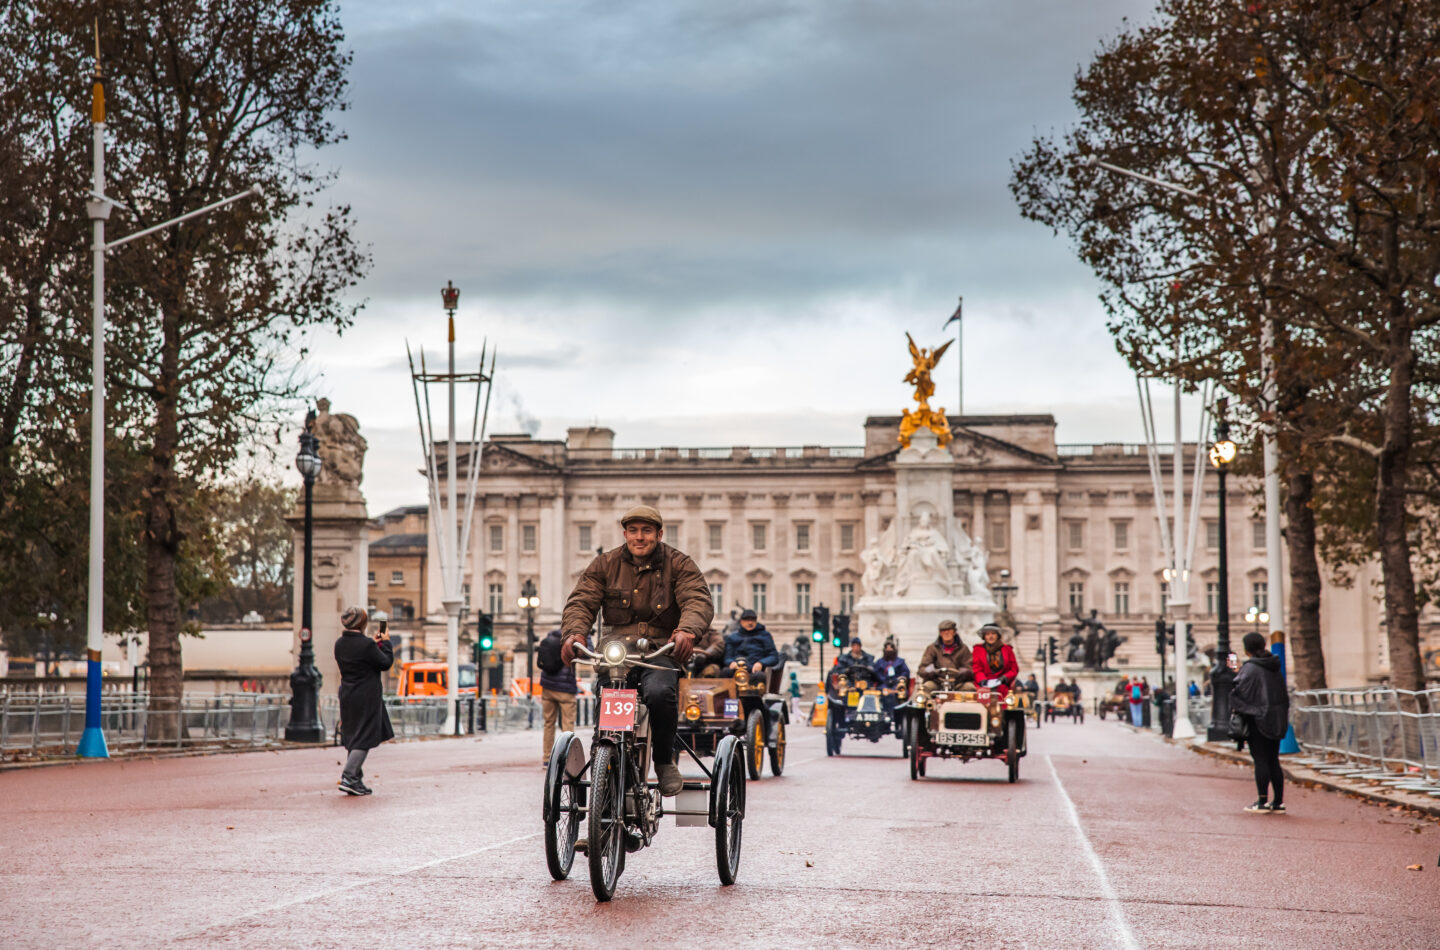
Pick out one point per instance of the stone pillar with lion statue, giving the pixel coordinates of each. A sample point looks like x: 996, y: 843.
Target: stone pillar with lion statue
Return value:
x: 923, y: 568
x: 341, y: 558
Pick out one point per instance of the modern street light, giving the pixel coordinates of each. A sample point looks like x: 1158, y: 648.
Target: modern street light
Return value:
x: 92, y: 741
x: 305, y: 724
x: 528, y: 603
x: 1222, y: 455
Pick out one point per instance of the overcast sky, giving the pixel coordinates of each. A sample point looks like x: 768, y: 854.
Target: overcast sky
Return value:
x: 711, y: 223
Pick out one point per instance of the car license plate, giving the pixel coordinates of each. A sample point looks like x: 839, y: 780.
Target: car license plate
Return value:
x: 962, y: 738
x: 617, y: 709
x: 732, y: 708
x: 866, y: 717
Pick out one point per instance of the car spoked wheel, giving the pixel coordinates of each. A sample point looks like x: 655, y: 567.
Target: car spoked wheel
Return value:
x: 777, y: 754
x: 606, y: 845
x: 561, y: 831
x: 728, y: 814
x: 912, y: 739
x: 1012, y: 748
x: 754, y: 744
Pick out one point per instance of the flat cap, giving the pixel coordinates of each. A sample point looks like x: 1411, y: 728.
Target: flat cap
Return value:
x: 947, y: 625
x: 643, y: 513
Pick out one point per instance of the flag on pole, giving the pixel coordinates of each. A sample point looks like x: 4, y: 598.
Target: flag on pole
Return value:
x: 956, y: 315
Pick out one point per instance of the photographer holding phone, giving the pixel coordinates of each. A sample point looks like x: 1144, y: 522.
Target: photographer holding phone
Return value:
x: 364, y: 724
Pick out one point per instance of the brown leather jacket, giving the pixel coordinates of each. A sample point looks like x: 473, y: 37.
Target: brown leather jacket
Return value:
x: 957, y: 659
x: 652, y: 599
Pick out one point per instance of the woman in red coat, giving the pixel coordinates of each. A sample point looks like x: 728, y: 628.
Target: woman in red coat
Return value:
x: 994, y: 662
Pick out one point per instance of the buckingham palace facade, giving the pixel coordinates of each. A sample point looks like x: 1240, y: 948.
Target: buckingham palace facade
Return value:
x: 781, y: 529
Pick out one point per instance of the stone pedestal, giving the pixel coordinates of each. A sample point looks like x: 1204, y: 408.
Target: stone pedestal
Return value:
x: 340, y: 570
x: 923, y: 568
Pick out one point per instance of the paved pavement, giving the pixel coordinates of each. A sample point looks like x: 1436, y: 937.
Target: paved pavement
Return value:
x: 1110, y: 839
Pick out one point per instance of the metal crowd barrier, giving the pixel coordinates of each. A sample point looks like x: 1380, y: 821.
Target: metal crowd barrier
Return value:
x: 1387, y: 735
x: 31, y: 723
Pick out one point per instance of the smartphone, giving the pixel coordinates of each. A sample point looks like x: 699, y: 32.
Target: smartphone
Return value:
x: 385, y: 627
x: 1233, y: 661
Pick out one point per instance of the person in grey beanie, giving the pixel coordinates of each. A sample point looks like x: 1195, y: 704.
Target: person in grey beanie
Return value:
x: 364, y: 723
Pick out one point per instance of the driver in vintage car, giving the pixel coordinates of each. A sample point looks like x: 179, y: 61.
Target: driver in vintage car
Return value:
x: 750, y: 648
x: 646, y: 590
x: 709, y: 654
x: 946, y: 653
x: 995, y: 664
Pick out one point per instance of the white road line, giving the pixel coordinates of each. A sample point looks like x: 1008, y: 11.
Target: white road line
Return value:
x: 1117, y: 912
x: 369, y: 880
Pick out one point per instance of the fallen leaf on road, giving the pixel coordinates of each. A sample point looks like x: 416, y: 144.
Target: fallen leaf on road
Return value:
x: 811, y: 864
x: 1412, y: 867
x: 232, y: 828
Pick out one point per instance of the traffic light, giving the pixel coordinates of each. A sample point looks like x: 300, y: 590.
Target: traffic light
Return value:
x: 1160, y: 637
x: 484, y: 633
x: 1053, y: 651
x: 840, y: 631
x: 819, y: 623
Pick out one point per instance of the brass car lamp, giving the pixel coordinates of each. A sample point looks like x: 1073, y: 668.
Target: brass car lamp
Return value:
x: 692, y: 710
x: 741, y: 677
x: 1012, y: 700
x: 900, y: 691
x: 842, y: 684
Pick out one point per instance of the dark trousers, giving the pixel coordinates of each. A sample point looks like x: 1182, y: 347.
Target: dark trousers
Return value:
x: 660, y: 692
x: 1266, y: 753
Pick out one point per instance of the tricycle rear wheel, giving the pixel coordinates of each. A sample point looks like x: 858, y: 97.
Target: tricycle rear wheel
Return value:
x: 777, y: 754
x: 912, y: 739
x: 728, y: 804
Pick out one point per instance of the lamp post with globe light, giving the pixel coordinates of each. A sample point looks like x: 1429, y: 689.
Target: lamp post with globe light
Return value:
x: 529, y: 602
x: 1222, y: 455
x: 305, y: 724
x: 1256, y: 617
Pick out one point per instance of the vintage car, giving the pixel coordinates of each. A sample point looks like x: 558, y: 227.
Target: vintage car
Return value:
x: 965, y: 722
x: 1064, y: 705
x: 747, y: 706
x: 1115, y: 704
x: 857, y: 705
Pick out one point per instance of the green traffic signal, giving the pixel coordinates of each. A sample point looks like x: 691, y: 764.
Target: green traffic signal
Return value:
x: 817, y: 635
x: 486, y: 642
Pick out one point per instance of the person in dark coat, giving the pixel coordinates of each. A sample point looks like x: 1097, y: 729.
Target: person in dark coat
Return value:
x: 750, y: 647
x: 1260, y: 697
x: 558, y: 690
x: 364, y: 724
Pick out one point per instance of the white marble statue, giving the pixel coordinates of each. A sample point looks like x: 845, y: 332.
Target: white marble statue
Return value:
x: 925, y: 557
x: 977, y: 576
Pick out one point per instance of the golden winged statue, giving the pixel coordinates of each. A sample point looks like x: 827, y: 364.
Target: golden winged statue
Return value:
x: 922, y: 416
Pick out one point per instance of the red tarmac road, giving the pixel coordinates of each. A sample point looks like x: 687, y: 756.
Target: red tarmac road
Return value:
x: 1110, y: 839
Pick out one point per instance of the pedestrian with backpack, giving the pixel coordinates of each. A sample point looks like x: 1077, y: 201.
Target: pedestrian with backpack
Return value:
x: 1260, y: 717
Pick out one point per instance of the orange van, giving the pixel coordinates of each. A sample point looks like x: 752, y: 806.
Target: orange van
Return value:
x: 429, y: 678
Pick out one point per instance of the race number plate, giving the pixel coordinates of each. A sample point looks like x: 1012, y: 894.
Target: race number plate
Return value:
x: 982, y: 696
x: 617, y: 709
x: 732, y: 708
x: 962, y: 738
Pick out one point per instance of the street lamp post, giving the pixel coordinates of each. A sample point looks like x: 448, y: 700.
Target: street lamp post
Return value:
x: 528, y: 603
x: 1256, y: 617
x: 305, y: 724
x: 1222, y: 454
x: 92, y: 740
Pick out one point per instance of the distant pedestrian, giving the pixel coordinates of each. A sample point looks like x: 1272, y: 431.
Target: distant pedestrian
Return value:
x: 794, y: 696
x: 364, y: 723
x: 1261, y: 702
x: 1137, y: 704
x: 558, y: 689
x: 1194, y: 690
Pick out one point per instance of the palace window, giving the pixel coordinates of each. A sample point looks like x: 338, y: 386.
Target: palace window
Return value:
x: 1212, y: 535
x: 847, y: 537
x: 1212, y: 598
x: 757, y: 536
x: 1122, y: 535
x: 465, y: 593
x: 1260, y: 595
x: 371, y: 579
x: 847, y: 598
x: 496, y: 597
x: 757, y: 598
x: 802, y: 537
x: 586, y: 541
x: 397, y: 578
x: 497, y: 538
x: 717, y: 594
x: 802, y: 599
x: 998, y: 539
x: 1122, y: 599
x: 1077, y: 596
x: 1164, y: 596
x: 1075, y: 535
x: 1257, y: 535
x: 715, y: 536
x: 527, y: 538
